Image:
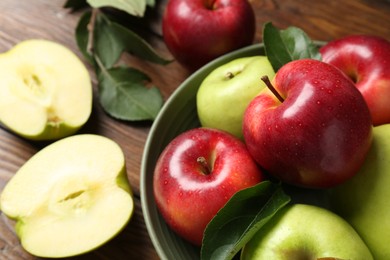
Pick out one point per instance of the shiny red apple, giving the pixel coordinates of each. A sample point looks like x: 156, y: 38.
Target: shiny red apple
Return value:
x: 197, y: 31
x: 196, y: 174
x: 319, y: 132
x: 366, y: 60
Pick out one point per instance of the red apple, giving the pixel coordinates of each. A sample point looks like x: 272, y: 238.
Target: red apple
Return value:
x: 197, y: 31
x: 196, y: 174
x: 320, y: 131
x: 366, y: 60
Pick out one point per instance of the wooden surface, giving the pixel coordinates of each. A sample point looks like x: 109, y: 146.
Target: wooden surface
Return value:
x: 25, y: 19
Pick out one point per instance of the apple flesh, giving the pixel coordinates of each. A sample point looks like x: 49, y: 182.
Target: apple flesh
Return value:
x: 70, y: 197
x: 196, y: 174
x: 365, y: 59
x: 197, y: 31
x: 226, y: 92
x: 45, y: 90
x: 364, y: 200
x: 318, y: 135
x: 301, y: 231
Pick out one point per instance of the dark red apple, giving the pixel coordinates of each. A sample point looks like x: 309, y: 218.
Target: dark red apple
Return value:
x: 366, y: 60
x: 197, y: 31
x: 319, y: 132
x: 196, y: 174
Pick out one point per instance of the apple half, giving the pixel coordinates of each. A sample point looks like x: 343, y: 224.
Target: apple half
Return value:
x: 45, y: 90
x: 70, y: 197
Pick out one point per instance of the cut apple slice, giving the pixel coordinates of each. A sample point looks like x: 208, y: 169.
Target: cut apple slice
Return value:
x: 45, y: 90
x: 70, y: 197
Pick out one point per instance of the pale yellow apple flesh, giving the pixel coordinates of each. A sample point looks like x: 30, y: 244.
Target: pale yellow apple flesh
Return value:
x: 70, y: 197
x: 45, y: 90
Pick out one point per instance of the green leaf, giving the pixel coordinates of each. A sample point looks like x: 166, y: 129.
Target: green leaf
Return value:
x: 111, y: 39
x: 123, y: 94
x: 242, y: 216
x: 283, y: 46
x: 108, y: 45
x: 136, y: 45
x: 133, y: 7
x: 82, y: 35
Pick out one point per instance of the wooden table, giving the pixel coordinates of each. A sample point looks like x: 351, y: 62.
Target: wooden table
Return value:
x: 25, y: 19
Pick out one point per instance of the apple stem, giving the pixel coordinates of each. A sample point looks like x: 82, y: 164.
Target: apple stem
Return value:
x: 229, y: 75
x: 268, y: 83
x: 205, y: 166
x: 210, y: 4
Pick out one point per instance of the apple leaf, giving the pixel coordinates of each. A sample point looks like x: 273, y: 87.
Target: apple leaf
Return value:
x: 135, y: 45
x: 242, y: 216
x: 106, y: 44
x: 133, y: 7
x: 123, y: 94
x: 82, y: 36
x: 111, y: 39
x: 283, y: 46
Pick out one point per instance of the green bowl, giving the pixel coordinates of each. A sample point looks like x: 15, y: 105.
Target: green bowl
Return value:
x: 176, y: 116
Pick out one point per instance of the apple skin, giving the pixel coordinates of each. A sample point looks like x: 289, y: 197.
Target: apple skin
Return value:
x: 364, y: 200
x: 301, y: 231
x: 188, y: 197
x: 319, y: 136
x: 365, y: 59
x: 198, y: 31
x: 236, y: 82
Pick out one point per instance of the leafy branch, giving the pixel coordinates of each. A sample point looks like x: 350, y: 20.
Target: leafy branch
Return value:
x: 123, y: 91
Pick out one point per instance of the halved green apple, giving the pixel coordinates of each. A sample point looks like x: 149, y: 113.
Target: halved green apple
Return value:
x: 70, y: 197
x: 45, y: 90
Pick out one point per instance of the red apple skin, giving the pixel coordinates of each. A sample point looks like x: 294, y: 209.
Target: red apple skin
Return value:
x: 366, y: 60
x: 198, y: 31
x: 186, y: 197
x: 319, y: 136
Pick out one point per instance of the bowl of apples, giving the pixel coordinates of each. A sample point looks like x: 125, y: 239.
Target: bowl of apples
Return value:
x: 178, y: 115
x: 306, y: 128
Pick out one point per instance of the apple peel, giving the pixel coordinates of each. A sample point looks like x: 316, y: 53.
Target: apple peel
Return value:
x: 79, y: 200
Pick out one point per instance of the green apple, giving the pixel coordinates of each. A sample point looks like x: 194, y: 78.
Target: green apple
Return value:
x: 226, y: 92
x: 45, y: 90
x: 364, y: 200
x: 70, y: 197
x: 303, y: 231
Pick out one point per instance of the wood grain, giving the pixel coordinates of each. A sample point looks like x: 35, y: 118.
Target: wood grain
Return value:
x: 24, y: 19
